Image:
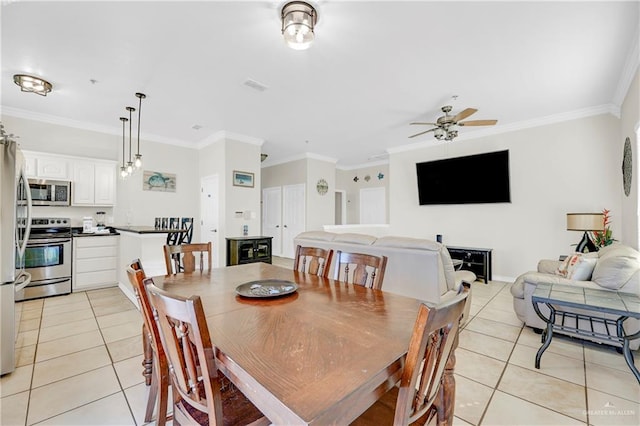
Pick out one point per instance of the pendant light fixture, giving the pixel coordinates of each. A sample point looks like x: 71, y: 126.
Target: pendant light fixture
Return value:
x: 130, y: 163
x: 299, y: 19
x: 123, y: 169
x: 138, y: 161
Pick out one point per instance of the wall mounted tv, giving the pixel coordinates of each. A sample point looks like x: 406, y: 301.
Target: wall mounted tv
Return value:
x: 473, y: 179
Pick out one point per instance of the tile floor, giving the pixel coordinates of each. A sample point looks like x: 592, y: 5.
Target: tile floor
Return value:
x: 79, y: 363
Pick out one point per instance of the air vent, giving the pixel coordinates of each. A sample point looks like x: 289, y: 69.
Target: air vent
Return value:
x: 255, y: 85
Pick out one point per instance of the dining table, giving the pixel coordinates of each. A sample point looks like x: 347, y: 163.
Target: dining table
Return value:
x: 321, y: 354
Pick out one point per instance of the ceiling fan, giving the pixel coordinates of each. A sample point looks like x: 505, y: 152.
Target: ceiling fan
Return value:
x: 445, y: 125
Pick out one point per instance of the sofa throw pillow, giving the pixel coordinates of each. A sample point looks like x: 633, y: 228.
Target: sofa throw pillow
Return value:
x: 577, y: 267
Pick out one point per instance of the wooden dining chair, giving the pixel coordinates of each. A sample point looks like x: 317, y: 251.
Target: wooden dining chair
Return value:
x: 367, y: 270
x: 196, y: 382
x: 156, y: 369
x: 181, y: 258
x: 313, y: 260
x: 429, y: 363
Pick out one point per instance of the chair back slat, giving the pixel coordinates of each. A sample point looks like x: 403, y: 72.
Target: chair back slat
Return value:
x: 182, y: 258
x: 430, y: 352
x: 362, y: 269
x: 313, y: 260
x: 193, y: 368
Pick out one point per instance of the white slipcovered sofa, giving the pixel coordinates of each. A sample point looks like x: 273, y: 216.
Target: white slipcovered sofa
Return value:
x: 617, y: 267
x: 417, y: 268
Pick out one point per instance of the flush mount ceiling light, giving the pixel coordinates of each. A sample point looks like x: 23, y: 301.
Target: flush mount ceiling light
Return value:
x: 29, y: 83
x: 298, y: 22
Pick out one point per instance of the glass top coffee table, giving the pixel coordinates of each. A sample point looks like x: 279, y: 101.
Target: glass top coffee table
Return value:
x: 594, y: 305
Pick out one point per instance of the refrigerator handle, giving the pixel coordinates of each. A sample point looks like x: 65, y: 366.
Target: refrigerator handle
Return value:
x: 26, y: 280
x: 27, y: 232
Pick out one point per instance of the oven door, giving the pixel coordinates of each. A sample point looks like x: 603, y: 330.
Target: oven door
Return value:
x: 47, y: 259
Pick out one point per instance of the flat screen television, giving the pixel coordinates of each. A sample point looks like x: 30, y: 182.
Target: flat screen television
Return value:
x: 473, y: 179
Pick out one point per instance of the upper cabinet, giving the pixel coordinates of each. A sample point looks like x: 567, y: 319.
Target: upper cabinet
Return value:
x: 47, y: 167
x: 94, y: 183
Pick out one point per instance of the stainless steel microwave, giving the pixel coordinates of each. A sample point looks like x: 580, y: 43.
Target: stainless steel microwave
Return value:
x: 46, y: 192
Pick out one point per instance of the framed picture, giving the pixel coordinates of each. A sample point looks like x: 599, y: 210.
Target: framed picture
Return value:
x: 242, y: 179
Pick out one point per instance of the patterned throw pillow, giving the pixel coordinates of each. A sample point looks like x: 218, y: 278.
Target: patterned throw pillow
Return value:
x: 578, y: 266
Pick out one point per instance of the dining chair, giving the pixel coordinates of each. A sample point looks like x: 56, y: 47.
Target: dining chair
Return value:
x: 156, y: 370
x: 368, y: 270
x: 430, y: 359
x: 185, y: 237
x: 313, y: 260
x: 181, y: 258
x: 198, y: 397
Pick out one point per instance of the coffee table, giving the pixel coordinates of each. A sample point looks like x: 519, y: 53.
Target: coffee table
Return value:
x: 594, y: 304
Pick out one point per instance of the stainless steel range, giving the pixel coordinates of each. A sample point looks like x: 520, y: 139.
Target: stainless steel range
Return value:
x: 48, y: 259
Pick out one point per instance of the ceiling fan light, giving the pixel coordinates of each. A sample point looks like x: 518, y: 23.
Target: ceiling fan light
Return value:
x: 298, y: 23
x: 439, y: 133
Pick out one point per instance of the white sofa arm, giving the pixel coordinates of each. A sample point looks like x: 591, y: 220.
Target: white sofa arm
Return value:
x: 548, y: 266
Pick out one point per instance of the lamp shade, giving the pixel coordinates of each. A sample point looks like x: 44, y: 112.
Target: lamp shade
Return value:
x: 585, y: 222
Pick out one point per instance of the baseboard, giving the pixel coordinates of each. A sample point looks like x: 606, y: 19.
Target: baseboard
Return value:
x: 129, y: 293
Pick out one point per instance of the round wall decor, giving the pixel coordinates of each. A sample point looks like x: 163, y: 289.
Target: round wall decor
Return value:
x: 627, y: 167
x: 322, y: 187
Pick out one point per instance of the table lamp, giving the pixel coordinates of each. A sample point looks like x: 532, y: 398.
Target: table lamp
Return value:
x: 585, y: 222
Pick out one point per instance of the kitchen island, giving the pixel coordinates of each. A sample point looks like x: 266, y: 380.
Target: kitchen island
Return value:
x: 145, y: 243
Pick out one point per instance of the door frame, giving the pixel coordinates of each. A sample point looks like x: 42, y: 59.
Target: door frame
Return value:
x: 343, y: 198
x: 218, y: 247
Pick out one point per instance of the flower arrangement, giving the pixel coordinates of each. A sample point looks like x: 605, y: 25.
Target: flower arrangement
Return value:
x: 603, y: 238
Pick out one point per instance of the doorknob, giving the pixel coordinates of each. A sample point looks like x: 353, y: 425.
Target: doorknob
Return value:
x: 214, y: 230
x: 277, y: 226
x: 285, y: 226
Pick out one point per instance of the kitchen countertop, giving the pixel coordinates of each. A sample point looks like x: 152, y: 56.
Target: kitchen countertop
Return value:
x: 77, y: 232
x: 146, y: 230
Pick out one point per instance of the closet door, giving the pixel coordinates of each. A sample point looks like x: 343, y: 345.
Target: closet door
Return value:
x: 272, y: 217
x: 293, y: 216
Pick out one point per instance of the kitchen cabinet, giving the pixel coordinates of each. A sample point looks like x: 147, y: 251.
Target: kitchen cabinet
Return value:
x: 95, y: 262
x: 94, y: 183
x: 46, y: 166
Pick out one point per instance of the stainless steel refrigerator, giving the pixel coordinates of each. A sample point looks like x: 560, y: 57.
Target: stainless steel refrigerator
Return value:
x: 15, y: 226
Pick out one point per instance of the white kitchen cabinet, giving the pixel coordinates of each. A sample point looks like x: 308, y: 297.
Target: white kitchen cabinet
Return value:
x: 46, y: 166
x: 94, y: 183
x: 95, y: 262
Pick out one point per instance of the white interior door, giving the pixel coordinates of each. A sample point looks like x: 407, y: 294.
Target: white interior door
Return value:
x: 372, y: 206
x: 293, y: 216
x: 272, y: 217
x: 209, y: 206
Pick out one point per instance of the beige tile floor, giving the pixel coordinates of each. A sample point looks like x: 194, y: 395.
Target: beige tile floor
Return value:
x: 79, y: 363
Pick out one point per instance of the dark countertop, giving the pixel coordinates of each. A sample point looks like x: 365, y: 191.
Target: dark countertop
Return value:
x: 146, y: 230
x: 77, y: 232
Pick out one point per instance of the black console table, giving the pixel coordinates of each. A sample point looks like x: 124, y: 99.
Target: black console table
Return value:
x: 476, y: 260
x: 241, y: 250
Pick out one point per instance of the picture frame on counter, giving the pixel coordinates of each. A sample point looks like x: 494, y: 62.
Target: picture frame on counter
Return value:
x: 245, y: 179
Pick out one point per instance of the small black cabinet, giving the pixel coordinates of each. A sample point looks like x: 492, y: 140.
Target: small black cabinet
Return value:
x: 242, y: 250
x: 476, y: 260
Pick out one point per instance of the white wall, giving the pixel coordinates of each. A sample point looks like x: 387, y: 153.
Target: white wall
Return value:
x: 572, y: 166
x: 344, y: 181
x: 629, y: 128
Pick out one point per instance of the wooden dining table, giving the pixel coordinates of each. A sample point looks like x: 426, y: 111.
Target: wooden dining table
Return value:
x: 320, y: 355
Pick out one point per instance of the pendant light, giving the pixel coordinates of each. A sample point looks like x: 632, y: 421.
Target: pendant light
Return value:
x: 123, y: 169
x: 130, y: 163
x: 138, y: 161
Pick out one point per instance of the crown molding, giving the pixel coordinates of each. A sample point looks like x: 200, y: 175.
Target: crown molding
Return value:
x: 60, y: 121
x: 527, y: 124
x: 628, y: 71
x: 303, y: 156
x: 364, y: 165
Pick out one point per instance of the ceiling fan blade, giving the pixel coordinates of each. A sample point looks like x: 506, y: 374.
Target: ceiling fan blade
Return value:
x: 464, y: 114
x: 478, y: 123
x: 426, y: 124
x: 422, y: 133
